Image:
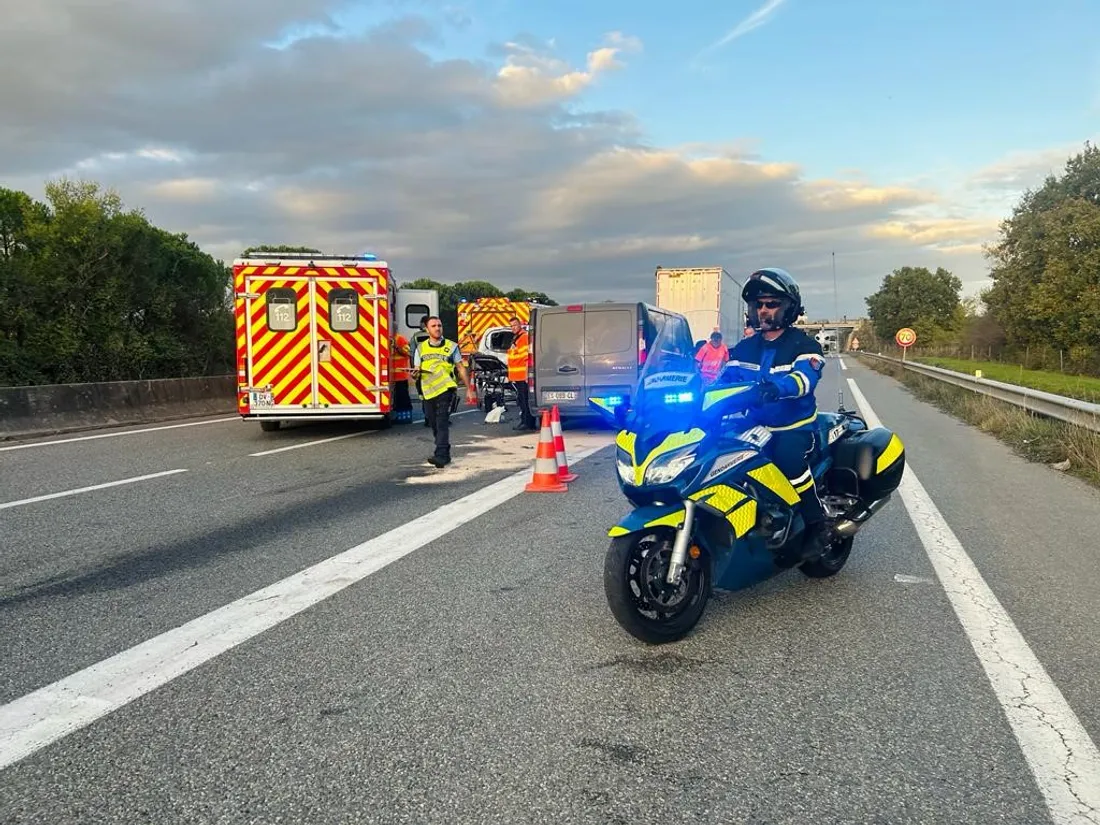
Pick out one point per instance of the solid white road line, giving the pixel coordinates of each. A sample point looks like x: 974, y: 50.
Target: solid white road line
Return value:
x: 79, y: 490
x: 1062, y: 757
x: 116, y: 434
x: 337, y: 438
x: 309, y: 444
x: 40, y: 718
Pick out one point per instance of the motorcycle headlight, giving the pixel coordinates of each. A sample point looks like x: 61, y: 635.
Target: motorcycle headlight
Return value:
x: 667, y: 467
x: 625, y: 465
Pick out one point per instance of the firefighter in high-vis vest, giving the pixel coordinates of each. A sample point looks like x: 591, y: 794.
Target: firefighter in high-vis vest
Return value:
x: 402, y: 365
x: 517, y: 374
x: 435, y: 362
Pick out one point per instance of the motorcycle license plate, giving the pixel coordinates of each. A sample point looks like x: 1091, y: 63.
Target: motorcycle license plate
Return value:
x: 260, y: 399
x: 559, y: 396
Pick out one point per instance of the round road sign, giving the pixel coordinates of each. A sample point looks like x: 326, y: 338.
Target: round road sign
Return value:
x: 905, y: 337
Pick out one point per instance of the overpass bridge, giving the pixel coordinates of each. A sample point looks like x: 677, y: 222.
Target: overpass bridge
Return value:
x: 832, y: 335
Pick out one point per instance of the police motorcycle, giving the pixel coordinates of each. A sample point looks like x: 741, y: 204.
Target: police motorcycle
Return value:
x: 710, y: 508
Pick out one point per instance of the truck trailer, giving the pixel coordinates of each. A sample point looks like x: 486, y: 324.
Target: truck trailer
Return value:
x: 707, y: 296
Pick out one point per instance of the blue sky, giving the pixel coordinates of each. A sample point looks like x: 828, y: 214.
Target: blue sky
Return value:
x: 895, y: 134
x: 898, y: 90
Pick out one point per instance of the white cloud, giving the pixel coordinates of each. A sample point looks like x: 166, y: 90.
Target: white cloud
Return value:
x: 450, y: 169
x: 532, y: 77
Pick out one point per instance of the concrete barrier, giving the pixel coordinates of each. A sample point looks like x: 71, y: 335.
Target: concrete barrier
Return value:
x: 60, y: 408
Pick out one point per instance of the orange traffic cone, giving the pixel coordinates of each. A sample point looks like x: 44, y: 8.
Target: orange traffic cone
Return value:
x: 559, y: 446
x: 545, y: 476
x: 471, y: 395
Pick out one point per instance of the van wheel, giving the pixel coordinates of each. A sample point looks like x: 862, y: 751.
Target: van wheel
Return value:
x: 270, y: 426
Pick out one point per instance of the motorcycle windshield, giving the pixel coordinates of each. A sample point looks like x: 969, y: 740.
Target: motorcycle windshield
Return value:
x: 669, y: 393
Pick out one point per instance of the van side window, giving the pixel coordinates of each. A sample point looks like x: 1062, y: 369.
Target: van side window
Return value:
x: 413, y: 314
x: 343, y: 310
x: 282, y: 309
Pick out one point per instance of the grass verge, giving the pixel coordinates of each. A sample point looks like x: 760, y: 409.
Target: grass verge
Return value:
x: 1031, y: 436
x: 1071, y: 386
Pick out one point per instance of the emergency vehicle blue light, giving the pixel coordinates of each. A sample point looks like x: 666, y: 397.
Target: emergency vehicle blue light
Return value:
x: 366, y: 256
x: 679, y: 397
x: 614, y: 400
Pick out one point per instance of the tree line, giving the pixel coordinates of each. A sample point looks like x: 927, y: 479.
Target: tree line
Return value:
x: 1043, y: 306
x: 91, y: 291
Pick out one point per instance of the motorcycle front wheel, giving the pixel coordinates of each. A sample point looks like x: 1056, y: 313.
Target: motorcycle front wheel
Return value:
x: 642, y: 602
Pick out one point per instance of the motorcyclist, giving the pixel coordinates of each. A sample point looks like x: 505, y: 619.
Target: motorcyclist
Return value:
x: 788, y: 364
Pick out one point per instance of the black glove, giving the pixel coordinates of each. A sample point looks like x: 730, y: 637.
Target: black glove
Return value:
x: 769, y: 392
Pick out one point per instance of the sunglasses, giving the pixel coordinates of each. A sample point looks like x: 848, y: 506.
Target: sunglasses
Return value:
x: 769, y: 304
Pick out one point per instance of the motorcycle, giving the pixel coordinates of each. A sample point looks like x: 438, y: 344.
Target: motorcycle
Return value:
x: 710, y: 509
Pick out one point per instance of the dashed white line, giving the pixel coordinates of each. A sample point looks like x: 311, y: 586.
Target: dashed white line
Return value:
x: 50, y: 713
x: 117, y: 434
x: 79, y: 490
x: 1063, y: 759
x: 843, y: 366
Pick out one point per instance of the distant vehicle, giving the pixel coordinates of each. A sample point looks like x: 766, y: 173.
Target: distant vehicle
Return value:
x: 707, y: 296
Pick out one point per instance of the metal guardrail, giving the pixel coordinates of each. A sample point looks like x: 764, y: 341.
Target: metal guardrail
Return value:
x: 1071, y: 410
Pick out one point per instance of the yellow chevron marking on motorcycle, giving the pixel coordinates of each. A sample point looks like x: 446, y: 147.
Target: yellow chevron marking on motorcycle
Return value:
x: 739, y: 509
x: 671, y: 520
x: 714, y: 396
x: 721, y: 497
x: 618, y: 531
x: 625, y: 439
x: 770, y: 476
x: 890, y: 454
x: 743, y: 518
x: 672, y: 442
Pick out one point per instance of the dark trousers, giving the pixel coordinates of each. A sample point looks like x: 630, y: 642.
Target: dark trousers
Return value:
x: 789, y: 451
x: 437, y: 412
x: 402, y: 401
x: 523, y: 399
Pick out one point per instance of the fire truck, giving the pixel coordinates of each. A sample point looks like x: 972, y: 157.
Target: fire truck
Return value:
x: 315, y: 336
x: 484, y: 325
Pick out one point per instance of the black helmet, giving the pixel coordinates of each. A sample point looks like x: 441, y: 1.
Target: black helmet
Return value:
x: 777, y: 282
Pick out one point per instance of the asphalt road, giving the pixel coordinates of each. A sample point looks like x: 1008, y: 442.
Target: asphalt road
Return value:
x: 481, y: 678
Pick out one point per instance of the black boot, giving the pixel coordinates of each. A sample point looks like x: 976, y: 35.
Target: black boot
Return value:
x: 816, y: 540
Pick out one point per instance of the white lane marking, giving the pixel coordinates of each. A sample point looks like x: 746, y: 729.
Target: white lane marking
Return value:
x: 79, y: 490
x: 902, y: 578
x: 1062, y: 757
x: 309, y: 444
x: 42, y: 717
x: 843, y: 366
x: 117, y: 434
x: 337, y: 438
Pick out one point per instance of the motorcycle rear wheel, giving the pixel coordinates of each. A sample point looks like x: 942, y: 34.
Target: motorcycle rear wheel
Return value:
x: 832, y: 562
x: 641, y: 601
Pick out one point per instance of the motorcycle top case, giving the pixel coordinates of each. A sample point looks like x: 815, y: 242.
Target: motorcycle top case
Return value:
x: 868, y: 464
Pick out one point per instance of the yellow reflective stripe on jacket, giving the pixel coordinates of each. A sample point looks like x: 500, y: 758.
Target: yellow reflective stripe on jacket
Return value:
x: 437, y: 370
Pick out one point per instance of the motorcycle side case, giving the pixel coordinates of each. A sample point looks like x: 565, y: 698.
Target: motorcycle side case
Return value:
x: 868, y: 464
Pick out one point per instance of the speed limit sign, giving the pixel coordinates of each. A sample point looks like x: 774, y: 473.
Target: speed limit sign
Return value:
x: 905, y: 337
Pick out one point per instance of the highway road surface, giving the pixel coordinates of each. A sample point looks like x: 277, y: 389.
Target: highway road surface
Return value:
x: 205, y: 623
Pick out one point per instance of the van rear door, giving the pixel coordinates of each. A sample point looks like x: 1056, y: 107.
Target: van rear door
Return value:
x: 559, y: 358
x: 611, y: 346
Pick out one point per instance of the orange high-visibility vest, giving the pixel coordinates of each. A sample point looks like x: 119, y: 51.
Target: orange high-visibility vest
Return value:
x: 402, y: 361
x: 517, y: 358
x: 712, y: 360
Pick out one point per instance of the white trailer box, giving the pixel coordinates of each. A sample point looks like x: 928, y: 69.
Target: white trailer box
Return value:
x: 708, y: 296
